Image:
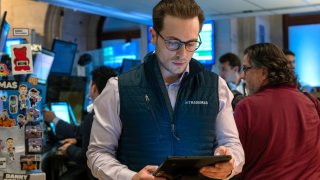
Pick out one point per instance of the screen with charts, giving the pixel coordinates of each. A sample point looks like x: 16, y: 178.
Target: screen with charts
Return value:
x: 42, y: 65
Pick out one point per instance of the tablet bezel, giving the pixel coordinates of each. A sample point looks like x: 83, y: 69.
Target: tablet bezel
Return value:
x: 175, y: 166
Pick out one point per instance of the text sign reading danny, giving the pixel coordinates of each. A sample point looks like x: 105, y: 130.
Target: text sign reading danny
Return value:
x: 11, y: 176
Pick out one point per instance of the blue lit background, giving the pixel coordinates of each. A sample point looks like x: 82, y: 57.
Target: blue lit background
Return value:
x: 304, y: 41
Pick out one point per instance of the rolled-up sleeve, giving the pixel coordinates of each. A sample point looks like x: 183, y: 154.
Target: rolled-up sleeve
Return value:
x: 105, y: 133
x: 227, y: 132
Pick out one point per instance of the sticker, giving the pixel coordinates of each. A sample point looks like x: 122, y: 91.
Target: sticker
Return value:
x: 33, y: 131
x: 8, y: 85
x: 10, y: 148
x: 36, y: 48
x: 12, y: 176
x: 32, y: 114
x: 34, y: 97
x: 3, y: 162
x: 35, y: 145
x: 13, y: 104
x: 5, y: 63
x: 30, y: 162
x: 21, y: 121
x: 21, y: 59
x: 3, y: 98
x: 5, y: 121
x: 1, y: 145
x: 33, y: 80
x: 23, y: 89
x: 4, y: 71
x: 20, y: 31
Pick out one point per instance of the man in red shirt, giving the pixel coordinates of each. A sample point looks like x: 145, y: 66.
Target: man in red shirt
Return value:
x: 279, y: 126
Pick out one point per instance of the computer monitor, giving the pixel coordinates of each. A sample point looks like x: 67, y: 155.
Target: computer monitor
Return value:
x: 64, y: 57
x: 67, y: 88
x: 4, y: 31
x: 42, y: 65
x: 128, y: 64
x: 205, y: 53
x: 63, y: 111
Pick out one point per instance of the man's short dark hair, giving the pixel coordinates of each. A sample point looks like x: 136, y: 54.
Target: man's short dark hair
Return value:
x: 288, y: 52
x: 101, y: 75
x: 176, y: 8
x: 232, y: 59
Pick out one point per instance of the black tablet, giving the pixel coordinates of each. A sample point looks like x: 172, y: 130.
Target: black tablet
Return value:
x: 176, y: 166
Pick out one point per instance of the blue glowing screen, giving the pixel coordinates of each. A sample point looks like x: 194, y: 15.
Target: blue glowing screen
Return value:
x: 304, y: 41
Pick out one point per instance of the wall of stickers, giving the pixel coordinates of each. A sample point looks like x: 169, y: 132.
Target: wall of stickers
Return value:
x: 21, y: 131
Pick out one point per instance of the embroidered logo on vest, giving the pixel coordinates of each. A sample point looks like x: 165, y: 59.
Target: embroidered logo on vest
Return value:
x: 197, y: 102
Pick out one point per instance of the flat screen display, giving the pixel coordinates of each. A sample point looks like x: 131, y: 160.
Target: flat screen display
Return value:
x: 5, y: 28
x: 42, y: 65
x: 64, y: 57
x: 205, y: 53
x: 113, y: 55
x: 61, y: 110
x: 13, y: 41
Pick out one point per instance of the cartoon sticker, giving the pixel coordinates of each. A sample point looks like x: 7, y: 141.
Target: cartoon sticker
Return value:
x: 30, y: 162
x: 1, y: 145
x: 13, y: 104
x: 21, y: 120
x: 10, y: 148
x: 35, y: 145
x: 5, y: 120
x: 32, y: 114
x: 4, y: 71
x: 33, y: 131
x: 3, y: 162
x: 21, y: 59
x: 34, y: 97
x: 23, y: 89
x: 3, y: 98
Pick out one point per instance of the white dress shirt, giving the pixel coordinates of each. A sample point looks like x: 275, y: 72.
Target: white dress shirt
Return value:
x: 106, y: 131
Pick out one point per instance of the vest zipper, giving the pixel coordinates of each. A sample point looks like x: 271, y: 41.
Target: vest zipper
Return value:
x: 153, y: 115
x: 173, y: 131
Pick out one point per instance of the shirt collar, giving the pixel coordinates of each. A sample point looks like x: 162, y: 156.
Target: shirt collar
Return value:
x: 184, y: 74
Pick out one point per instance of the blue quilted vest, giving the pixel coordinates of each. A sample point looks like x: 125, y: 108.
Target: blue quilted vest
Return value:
x: 151, y: 129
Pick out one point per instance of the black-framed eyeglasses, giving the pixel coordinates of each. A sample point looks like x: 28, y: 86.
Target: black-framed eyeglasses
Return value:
x: 245, y: 68
x: 175, y: 44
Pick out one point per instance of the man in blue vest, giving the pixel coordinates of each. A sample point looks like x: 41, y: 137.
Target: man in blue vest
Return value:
x: 169, y: 105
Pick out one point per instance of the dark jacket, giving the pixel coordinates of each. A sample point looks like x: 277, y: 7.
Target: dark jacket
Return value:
x: 151, y: 129
x: 64, y: 130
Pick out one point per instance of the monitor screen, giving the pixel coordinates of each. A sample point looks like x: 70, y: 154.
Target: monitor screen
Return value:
x: 113, y: 55
x: 67, y: 88
x: 13, y: 41
x: 42, y: 65
x: 61, y: 110
x: 205, y: 53
x: 64, y: 57
x: 5, y: 28
x: 127, y: 64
